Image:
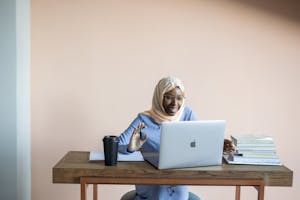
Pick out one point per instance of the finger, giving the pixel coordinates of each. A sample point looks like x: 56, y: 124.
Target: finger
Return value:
x: 140, y: 125
x: 144, y: 139
x: 134, y: 133
x: 226, y: 141
x: 137, y: 130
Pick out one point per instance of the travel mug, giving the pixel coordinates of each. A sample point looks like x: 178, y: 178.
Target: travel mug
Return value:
x: 110, y: 144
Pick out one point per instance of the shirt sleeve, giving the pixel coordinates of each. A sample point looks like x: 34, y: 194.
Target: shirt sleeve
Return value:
x: 193, y: 116
x: 189, y: 115
x: 124, y: 138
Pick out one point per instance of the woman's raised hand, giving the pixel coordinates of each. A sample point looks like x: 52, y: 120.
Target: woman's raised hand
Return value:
x: 136, y: 142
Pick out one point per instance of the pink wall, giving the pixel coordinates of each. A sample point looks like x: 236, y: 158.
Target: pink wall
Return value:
x: 95, y: 64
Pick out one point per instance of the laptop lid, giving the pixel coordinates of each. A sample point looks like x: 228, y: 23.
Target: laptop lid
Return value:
x: 191, y: 144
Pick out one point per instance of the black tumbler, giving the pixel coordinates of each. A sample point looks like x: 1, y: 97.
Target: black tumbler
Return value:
x: 111, y: 144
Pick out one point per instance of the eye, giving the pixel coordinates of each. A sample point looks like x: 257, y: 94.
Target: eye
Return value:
x: 179, y: 98
x: 168, y: 97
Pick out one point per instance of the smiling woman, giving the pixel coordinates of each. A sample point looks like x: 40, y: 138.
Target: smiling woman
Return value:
x: 168, y: 104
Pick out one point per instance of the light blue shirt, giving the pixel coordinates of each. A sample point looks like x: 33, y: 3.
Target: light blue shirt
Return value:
x: 154, y: 192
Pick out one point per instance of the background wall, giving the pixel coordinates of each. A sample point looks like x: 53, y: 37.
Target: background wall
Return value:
x: 95, y: 65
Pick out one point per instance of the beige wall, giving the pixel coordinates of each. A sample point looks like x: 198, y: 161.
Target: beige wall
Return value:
x: 95, y: 64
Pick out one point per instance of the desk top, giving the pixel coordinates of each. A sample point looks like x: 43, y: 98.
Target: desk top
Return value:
x: 76, y: 164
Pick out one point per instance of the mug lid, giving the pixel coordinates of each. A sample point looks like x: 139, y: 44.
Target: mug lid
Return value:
x: 111, y: 137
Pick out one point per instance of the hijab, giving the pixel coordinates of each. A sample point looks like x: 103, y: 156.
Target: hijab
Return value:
x: 157, y: 111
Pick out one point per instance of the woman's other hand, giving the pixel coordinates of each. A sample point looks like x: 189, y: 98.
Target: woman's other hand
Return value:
x: 136, y: 142
x: 228, y: 147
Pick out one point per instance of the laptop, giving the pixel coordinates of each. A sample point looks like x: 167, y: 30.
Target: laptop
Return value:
x: 189, y: 144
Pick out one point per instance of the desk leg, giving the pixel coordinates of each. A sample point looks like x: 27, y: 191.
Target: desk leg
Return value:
x: 238, y: 192
x: 83, y: 189
x: 261, y: 192
x: 95, y: 192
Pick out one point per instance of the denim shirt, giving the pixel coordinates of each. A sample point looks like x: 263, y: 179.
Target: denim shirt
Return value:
x: 152, y: 145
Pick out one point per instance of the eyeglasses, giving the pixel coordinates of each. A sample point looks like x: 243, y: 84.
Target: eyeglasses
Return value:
x: 169, y: 97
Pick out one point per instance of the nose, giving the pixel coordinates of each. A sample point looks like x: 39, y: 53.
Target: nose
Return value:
x: 174, y: 101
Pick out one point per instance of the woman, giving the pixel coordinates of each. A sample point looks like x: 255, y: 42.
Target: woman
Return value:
x: 167, y: 105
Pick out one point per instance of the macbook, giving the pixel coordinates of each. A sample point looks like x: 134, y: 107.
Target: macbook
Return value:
x: 189, y: 144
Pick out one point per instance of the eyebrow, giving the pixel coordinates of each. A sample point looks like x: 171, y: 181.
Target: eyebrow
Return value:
x: 168, y: 93
x: 180, y: 95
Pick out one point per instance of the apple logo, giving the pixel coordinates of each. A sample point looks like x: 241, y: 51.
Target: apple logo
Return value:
x: 193, y: 144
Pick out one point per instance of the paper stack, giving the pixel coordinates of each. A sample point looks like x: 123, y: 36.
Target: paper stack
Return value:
x: 254, y: 149
x: 99, y: 155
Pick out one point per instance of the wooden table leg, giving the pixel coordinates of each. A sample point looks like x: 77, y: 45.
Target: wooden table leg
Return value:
x: 238, y: 192
x: 261, y: 192
x: 95, y: 192
x: 258, y: 184
x: 83, y: 189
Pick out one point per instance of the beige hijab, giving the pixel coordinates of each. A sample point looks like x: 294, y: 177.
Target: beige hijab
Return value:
x: 157, y: 112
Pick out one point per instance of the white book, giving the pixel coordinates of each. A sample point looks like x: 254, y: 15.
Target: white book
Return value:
x: 256, y: 145
x: 248, y: 161
x: 253, y: 159
x: 253, y: 151
x: 262, y: 149
x: 259, y: 155
x: 251, y: 139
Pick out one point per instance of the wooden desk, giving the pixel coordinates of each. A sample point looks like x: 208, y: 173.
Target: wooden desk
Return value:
x: 74, y: 167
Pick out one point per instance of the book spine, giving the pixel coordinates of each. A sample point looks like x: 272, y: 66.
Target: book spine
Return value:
x: 259, y: 155
x: 251, y: 139
x: 256, y: 145
x: 253, y: 159
x: 273, y: 149
x: 257, y: 160
x: 253, y: 151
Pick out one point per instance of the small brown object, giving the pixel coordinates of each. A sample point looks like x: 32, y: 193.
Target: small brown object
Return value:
x: 228, y: 146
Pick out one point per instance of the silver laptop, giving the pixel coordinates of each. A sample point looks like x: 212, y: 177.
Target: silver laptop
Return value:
x: 189, y: 144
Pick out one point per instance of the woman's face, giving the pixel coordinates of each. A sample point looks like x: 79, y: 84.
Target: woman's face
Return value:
x: 172, y: 101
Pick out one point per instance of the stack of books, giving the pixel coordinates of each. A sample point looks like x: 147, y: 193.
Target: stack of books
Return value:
x: 254, y: 150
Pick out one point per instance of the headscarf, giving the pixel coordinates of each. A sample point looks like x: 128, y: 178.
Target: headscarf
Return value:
x: 157, y: 111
